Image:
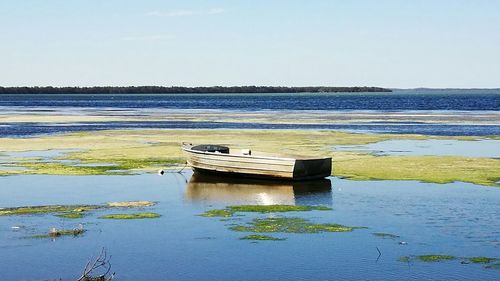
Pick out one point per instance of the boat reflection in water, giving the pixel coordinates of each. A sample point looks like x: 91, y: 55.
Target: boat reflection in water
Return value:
x: 227, y: 190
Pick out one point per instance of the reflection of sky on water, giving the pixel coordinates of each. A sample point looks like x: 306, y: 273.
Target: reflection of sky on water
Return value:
x: 458, y: 219
x: 480, y: 148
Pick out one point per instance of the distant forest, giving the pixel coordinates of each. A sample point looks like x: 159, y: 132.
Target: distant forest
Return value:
x: 183, y: 90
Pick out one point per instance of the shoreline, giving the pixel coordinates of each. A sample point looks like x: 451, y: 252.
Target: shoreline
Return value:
x: 186, y: 90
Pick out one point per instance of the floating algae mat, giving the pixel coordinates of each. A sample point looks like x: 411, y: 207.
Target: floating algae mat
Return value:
x: 71, y: 211
x: 279, y: 224
x: 385, y: 235
x: 487, y: 261
x: 53, y: 233
x: 131, y: 216
x: 261, y: 238
x: 276, y: 208
x: 435, y: 258
x: 71, y: 215
x: 33, y: 210
x: 289, y: 225
x: 217, y: 213
x: 230, y: 210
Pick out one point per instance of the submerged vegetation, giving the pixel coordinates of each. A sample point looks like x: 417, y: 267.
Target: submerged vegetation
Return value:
x: 131, y: 204
x: 131, y: 216
x: 70, y: 211
x: 276, y: 208
x: 481, y: 259
x: 435, y: 258
x: 261, y: 237
x: 217, y: 213
x: 289, y: 225
x: 53, y: 233
x: 275, y: 224
x: 131, y: 151
x: 33, y: 210
x: 487, y: 261
x: 230, y: 210
x: 385, y: 235
x: 71, y: 215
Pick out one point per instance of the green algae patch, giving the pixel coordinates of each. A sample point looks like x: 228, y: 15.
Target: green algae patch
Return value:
x: 385, y: 235
x: 54, y: 233
x: 132, y: 151
x: 435, y: 169
x: 54, y: 168
x: 71, y: 215
x: 276, y: 208
x: 404, y: 259
x: 289, y: 225
x: 71, y: 211
x: 481, y: 259
x: 49, y: 209
x: 217, y: 213
x: 487, y: 261
x: 230, y: 210
x: 131, y: 216
x: 131, y: 204
x: 435, y: 258
x: 261, y: 238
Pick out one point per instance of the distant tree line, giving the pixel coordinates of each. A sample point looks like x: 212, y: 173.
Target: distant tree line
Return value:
x: 183, y: 90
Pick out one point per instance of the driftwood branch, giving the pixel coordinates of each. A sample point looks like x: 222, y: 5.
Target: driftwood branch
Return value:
x: 98, y: 269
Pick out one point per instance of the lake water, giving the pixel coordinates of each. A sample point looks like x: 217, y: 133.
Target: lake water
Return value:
x: 396, y: 100
x: 477, y: 148
x: 457, y: 219
x: 438, y: 112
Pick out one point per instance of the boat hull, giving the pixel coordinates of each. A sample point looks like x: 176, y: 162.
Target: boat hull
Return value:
x: 258, y: 167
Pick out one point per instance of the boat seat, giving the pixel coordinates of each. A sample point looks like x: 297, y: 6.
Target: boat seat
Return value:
x: 211, y: 148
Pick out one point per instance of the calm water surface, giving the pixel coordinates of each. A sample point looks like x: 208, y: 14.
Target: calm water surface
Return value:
x: 457, y: 219
x: 477, y: 148
x: 483, y: 104
x: 396, y: 100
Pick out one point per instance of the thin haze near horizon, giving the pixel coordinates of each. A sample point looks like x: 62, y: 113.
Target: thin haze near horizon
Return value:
x: 386, y: 43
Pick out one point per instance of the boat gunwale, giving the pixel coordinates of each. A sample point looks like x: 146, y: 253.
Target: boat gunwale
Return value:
x: 250, y: 156
x: 238, y: 155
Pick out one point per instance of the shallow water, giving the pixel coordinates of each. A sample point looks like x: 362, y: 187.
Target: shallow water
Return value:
x: 479, y: 148
x: 21, y: 129
x: 440, y: 112
x: 457, y: 219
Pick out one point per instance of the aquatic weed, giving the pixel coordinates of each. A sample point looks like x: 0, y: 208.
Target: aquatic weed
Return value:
x: 46, y: 209
x: 131, y: 216
x: 435, y: 258
x: 289, y: 225
x: 262, y: 237
x: 276, y: 208
x: 481, y: 259
x: 217, y: 213
x: 385, y: 235
x: 54, y: 233
x: 71, y: 215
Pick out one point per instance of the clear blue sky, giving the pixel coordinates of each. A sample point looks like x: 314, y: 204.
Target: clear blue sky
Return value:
x: 389, y: 43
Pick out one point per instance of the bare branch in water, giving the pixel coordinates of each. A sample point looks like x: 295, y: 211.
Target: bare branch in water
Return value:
x: 98, y: 269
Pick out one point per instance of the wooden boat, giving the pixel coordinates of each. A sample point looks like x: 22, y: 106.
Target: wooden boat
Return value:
x: 220, y: 159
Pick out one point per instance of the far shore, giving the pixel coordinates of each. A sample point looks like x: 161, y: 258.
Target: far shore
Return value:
x: 186, y: 90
